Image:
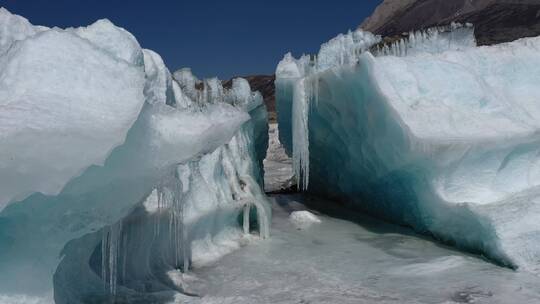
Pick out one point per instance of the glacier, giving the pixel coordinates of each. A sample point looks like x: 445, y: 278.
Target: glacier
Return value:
x: 122, y: 182
x: 428, y: 131
x: 99, y: 140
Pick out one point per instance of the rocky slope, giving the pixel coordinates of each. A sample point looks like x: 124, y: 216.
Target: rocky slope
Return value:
x: 495, y: 21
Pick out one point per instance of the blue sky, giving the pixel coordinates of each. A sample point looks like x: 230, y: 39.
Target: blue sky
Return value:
x: 223, y: 38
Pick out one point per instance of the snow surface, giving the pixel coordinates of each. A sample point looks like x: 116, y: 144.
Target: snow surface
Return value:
x: 445, y: 141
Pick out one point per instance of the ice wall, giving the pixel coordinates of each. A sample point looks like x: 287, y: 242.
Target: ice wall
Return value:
x: 445, y: 141
x: 93, y: 129
x: 70, y: 129
x: 296, y: 87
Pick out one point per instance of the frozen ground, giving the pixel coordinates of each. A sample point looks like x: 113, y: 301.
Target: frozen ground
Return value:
x: 348, y: 258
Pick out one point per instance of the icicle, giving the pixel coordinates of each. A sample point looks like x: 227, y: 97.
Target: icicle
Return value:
x: 124, y: 256
x: 300, y: 113
x: 315, y: 91
x: 246, y: 218
x: 253, y: 191
x: 175, y: 217
x: 186, y: 244
x: 160, y: 202
x: 110, y: 246
x: 104, y: 250
x: 177, y: 222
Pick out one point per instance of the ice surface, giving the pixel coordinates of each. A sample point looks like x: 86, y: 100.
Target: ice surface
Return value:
x: 114, y: 40
x: 98, y: 141
x: 445, y: 141
x: 338, y: 261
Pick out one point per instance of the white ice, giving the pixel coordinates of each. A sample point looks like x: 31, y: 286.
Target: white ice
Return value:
x: 73, y: 99
x: 430, y: 131
x: 92, y: 127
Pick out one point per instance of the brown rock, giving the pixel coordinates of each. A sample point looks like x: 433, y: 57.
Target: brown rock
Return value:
x: 495, y: 21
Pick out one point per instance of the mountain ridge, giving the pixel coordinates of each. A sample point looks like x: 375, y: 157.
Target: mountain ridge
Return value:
x: 495, y: 21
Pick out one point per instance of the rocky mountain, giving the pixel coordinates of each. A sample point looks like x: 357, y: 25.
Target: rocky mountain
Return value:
x: 495, y: 21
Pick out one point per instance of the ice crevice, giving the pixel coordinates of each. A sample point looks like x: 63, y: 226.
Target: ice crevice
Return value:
x: 426, y: 130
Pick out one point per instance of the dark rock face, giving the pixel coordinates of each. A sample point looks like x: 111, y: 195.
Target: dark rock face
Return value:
x: 265, y: 85
x: 505, y: 22
x: 495, y: 21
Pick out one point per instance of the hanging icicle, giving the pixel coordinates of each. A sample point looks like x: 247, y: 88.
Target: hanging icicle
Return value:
x: 111, y: 244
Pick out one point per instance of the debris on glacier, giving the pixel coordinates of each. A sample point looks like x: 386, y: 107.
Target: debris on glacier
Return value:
x: 429, y: 131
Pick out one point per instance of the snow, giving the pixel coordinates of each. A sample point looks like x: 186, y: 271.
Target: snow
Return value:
x: 440, y: 135
x: 303, y: 219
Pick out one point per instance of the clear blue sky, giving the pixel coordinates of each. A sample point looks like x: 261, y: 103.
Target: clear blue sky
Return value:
x: 223, y: 38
